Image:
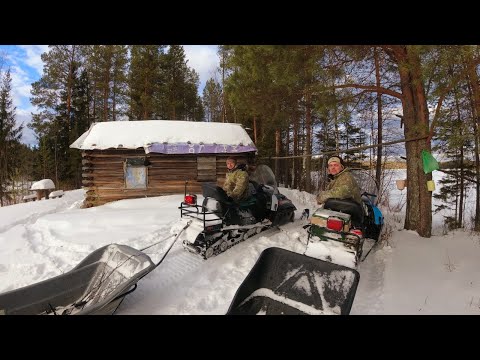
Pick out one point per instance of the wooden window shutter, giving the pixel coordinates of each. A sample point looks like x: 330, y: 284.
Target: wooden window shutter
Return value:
x: 207, y: 168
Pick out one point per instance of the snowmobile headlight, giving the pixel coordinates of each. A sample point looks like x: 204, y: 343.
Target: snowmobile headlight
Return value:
x: 190, y: 199
x: 335, y: 224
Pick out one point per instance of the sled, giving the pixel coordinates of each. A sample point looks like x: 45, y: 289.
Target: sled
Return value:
x: 96, y: 286
x: 283, y: 282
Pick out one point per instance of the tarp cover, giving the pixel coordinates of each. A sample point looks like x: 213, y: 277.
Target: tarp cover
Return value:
x: 185, y: 148
x: 97, y: 285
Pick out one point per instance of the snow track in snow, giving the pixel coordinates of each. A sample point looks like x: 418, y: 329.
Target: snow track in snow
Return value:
x: 180, y: 262
x: 370, y: 287
x: 177, y: 264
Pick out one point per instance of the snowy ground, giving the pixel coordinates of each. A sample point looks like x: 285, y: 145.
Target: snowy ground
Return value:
x: 409, y: 275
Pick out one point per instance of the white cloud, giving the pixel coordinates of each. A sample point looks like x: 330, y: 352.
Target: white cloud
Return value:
x: 33, y: 53
x: 21, y: 84
x: 26, y: 67
x: 21, y: 87
x: 204, y: 59
x: 24, y: 116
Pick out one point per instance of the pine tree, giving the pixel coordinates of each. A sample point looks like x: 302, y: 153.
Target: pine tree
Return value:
x: 107, y: 69
x: 212, y: 101
x: 10, y: 135
x: 181, y: 87
x: 146, y: 82
x: 81, y: 122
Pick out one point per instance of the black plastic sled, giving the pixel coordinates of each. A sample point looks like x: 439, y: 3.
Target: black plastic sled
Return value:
x: 283, y: 282
x: 96, y: 286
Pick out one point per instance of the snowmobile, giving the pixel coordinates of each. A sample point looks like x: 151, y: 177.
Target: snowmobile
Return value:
x: 222, y: 223
x: 346, y: 223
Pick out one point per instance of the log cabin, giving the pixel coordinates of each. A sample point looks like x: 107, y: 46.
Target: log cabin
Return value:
x: 133, y: 159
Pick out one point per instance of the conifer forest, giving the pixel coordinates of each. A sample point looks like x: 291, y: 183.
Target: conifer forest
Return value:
x: 299, y: 103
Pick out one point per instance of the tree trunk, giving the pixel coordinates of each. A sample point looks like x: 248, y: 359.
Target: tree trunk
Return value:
x: 278, y: 146
x: 295, y: 162
x: 308, y: 143
x: 107, y: 55
x: 70, y: 85
x: 94, y: 96
x: 473, y: 82
x: 335, y: 122
x: 378, y: 167
x: 287, y: 153
x: 224, y: 106
x: 415, y: 115
x: 106, y: 95
x: 114, y: 99
x: 55, y: 152
x: 459, y: 218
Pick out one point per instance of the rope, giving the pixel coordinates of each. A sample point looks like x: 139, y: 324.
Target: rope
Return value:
x: 173, y: 242
x: 158, y: 242
x: 347, y: 150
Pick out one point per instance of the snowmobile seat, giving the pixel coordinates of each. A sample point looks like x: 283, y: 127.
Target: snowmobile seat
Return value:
x: 245, y: 204
x: 214, y: 191
x: 347, y: 206
x: 254, y: 187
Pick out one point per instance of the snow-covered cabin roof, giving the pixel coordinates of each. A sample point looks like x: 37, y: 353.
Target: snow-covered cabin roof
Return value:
x: 167, y: 137
x: 44, y: 184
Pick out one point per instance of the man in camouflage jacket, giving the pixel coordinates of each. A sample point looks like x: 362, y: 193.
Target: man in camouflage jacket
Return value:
x: 236, y: 182
x: 343, y: 184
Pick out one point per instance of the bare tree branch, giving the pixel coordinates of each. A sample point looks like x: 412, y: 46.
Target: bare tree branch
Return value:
x: 372, y: 88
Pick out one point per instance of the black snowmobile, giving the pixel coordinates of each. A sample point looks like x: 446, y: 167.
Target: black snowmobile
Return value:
x: 223, y: 223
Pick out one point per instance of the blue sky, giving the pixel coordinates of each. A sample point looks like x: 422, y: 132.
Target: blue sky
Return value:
x: 26, y: 67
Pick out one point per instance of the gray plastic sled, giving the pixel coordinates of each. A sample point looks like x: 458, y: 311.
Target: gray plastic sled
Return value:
x: 288, y: 283
x: 97, y: 285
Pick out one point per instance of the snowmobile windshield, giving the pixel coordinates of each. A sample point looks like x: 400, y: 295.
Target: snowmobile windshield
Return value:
x: 365, y: 180
x: 264, y: 175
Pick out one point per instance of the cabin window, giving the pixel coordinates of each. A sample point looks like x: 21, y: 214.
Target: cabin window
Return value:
x: 135, y: 173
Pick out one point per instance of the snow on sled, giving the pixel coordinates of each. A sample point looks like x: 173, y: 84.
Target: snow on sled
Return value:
x: 283, y: 282
x: 97, y: 285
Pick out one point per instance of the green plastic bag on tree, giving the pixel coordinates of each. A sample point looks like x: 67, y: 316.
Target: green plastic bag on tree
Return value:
x: 429, y: 162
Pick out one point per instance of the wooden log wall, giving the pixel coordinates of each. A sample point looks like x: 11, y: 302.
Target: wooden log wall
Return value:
x: 104, y: 175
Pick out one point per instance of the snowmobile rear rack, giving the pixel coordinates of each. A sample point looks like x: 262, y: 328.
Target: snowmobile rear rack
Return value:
x: 200, y: 212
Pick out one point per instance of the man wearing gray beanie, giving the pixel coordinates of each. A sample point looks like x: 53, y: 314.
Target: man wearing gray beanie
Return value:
x: 342, y: 184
